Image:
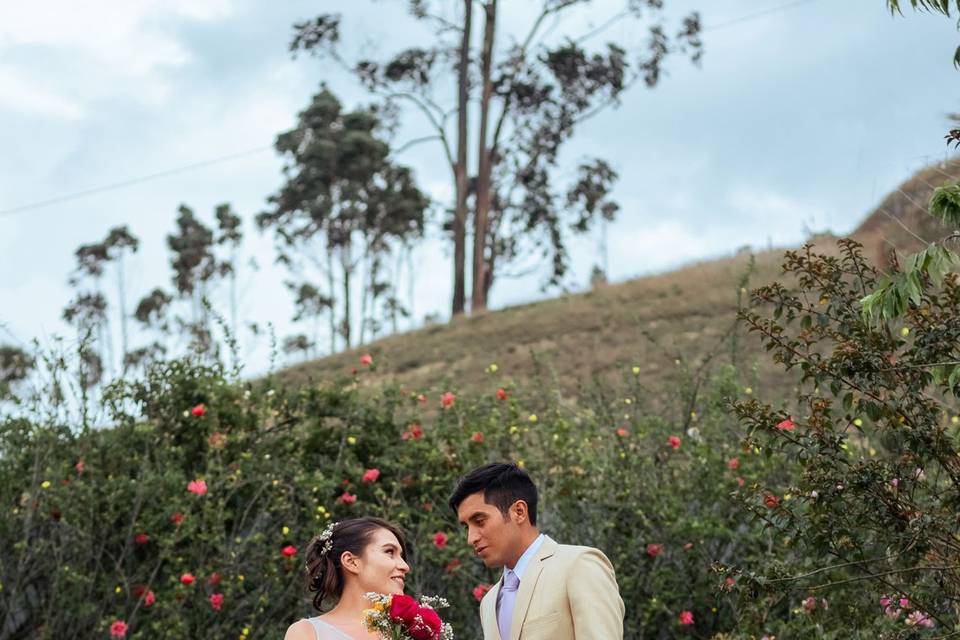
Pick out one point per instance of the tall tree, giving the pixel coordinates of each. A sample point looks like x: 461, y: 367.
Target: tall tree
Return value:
x: 194, y: 266
x: 15, y: 366
x: 341, y: 191
x: 118, y: 243
x: 230, y: 235
x: 532, y: 94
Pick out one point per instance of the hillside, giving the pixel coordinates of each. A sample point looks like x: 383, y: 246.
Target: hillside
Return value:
x: 649, y: 322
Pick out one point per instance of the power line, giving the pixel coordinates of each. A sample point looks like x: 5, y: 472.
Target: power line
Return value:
x: 133, y: 181
x: 758, y: 14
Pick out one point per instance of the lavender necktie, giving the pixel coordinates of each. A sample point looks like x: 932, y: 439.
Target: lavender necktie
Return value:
x: 508, y: 597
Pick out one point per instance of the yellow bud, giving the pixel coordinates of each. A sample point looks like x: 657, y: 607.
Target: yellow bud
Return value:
x: 858, y: 422
x: 520, y: 463
x: 118, y: 589
x: 955, y: 420
x: 748, y: 390
x: 627, y: 401
x: 351, y: 440
x: 636, y: 371
x: 873, y: 451
x: 45, y: 484
x: 240, y: 578
x: 285, y: 530
x: 514, y: 429
x: 493, y: 368
x: 905, y: 331
x: 533, y: 417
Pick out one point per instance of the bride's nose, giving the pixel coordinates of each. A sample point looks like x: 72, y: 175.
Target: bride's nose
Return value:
x: 404, y: 566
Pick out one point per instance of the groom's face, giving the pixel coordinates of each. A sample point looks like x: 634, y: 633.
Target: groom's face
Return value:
x: 492, y: 536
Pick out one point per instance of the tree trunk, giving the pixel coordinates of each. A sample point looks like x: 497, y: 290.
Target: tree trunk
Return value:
x: 345, y: 261
x: 331, y: 287
x: 460, y: 168
x: 478, y: 300
x: 122, y: 304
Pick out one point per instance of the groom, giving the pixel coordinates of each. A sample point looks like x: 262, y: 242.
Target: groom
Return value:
x: 548, y: 591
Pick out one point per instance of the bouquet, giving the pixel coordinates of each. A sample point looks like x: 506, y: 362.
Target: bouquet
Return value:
x: 401, y: 617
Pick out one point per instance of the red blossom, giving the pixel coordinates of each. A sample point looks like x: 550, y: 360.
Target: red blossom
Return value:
x: 415, y: 432
x: 740, y: 481
x: 141, y: 539
x: 149, y: 598
x: 80, y: 466
x: 480, y: 590
x: 187, y: 579
x: 198, y: 487
x: 289, y: 551
x: 198, y: 411
x: 733, y: 463
x: 501, y: 394
x: 366, y: 359
x: 786, y: 425
x: 674, y: 441
x: 371, y: 475
x: 118, y: 629
x: 216, y: 601
x: 214, y: 579
x: 138, y: 591
x: 654, y: 549
x: 452, y: 566
x: 427, y: 625
x: 177, y: 518
x: 686, y: 618
x: 403, y: 609
x: 447, y: 400
x: 622, y: 432
x: 477, y: 436
x: 347, y: 498
x: 771, y: 501
x: 440, y: 540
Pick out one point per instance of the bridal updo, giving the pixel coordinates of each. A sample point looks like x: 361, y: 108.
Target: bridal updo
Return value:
x: 324, y: 571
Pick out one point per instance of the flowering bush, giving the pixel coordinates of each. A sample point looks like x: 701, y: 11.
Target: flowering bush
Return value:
x: 166, y: 523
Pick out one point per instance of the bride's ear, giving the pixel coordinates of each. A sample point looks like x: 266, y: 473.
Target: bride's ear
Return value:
x: 350, y: 563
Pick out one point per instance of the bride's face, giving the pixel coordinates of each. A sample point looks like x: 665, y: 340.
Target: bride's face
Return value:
x: 381, y: 567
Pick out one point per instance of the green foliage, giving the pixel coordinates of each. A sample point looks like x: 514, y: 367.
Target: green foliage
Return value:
x: 280, y: 463
x: 894, y: 292
x: 874, y: 503
x: 945, y: 204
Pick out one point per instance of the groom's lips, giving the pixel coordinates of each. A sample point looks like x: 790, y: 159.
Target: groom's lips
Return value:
x: 480, y: 550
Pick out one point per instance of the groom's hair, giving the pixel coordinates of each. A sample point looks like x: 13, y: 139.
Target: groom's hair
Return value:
x: 502, y: 484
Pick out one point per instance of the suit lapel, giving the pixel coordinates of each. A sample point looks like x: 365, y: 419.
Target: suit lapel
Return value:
x: 488, y: 611
x: 527, y: 586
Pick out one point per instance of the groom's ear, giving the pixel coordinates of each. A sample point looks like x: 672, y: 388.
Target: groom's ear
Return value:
x: 520, y: 511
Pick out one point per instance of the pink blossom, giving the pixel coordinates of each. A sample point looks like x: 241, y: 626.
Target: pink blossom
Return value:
x: 733, y: 463
x: 198, y: 411
x: 885, y: 601
x: 809, y: 604
x: 501, y: 394
x: 686, y: 618
x: 347, y: 498
x: 199, y: 487
x: 654, y: 549
x: 622, y: 432
x: 674, y: 441
x: 918, y: 618
x: 289, y: 551
x: 366, y: 359
x: 480, y: 590
x: 447, y: 400
x: 371, y: 475
x: 141, y: 539
x: 477, y: 436
x: 80, y: 466
x: 905, y: 603
x: 187, y: 579
x: 786, y: 425
x: 216, y: 601
x: 440, y: 540
x: 149, y: 598
x: 118, y: 629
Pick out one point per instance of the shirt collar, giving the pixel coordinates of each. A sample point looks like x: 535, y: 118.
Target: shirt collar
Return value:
x: 527, y: 556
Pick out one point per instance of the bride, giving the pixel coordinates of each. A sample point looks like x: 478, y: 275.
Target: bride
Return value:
x: 350, y: 558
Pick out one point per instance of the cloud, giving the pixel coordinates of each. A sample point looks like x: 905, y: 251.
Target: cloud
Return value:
x: 20, y: 94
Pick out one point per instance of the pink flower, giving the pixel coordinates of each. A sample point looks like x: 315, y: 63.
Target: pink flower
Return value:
x: 918, y: 618
x: 654, y: 549
x: 149, y: 598
x: 80, y: 466
x: 786, y: 425
x: 415, y: 432
x: 733, y: 463
x: 740, y: 481
x: 905, y: 603
x: 674, y: 442
x: 501, y: 394
x: 199, y: 487
x: 447, y: 400
x: 216, y: 601
x: 480, y: 590
x: 421, y: 398
x: 347, y: 498
x: 686, y: 618
x: 177, y: 518
x: 440, y: 540
x: 198, y: 411
x: 214, y: 579
x: 885, y: 601
x: 141, y: 539
x: 771, y: 501
x: 892, y: 613
x: 118, y: 629
x: 187, y: 579
x: 289, y: 551
x: 477, y: 436
x: 895, y: 482
x: 366, y: 359
x: 371, y: 475
x: 622, y: 432
x: 809, y: 604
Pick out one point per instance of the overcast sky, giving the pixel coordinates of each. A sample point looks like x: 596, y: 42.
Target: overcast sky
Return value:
x: 801, y: 117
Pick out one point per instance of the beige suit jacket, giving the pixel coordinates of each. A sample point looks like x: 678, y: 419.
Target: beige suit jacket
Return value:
x: 566, y: 593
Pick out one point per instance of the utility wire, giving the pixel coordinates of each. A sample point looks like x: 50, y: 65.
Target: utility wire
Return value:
x: 133, y: 181
x: 757, y: 15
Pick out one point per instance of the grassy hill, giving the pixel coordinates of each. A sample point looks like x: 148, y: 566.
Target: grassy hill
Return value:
x: 652, y: 322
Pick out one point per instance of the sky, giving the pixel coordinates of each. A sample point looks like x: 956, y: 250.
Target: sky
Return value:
x: 800, y: 118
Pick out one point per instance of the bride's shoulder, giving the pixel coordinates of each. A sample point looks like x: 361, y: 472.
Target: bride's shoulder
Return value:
x: 300, y: 630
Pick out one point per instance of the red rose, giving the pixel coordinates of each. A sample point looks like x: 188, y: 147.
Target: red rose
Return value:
x: 371, y: 475
x: 216, y: 601
x: 198, y: 411
x: 771, y: 501
x: 149, y: 598
x: 177, y: 518
x: 501, y: 394
x: 403, y: 609
x: 289, y: 551
x: 654, y: 549
x: 138, y: 591
x: 187, y: 578
x: 440, y: 539
x: 427, y: 625
x: 674, y: 442
x: 141, y: 539
x: 214, y: 579
x: 447, y: 400
x: 347, y: 498
x: 477, y: 436
x: 118, y: 629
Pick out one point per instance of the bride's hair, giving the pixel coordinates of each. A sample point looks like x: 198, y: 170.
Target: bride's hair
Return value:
x: 324, y: 571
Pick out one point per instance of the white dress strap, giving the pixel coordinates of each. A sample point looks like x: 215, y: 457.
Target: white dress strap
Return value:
x: 326, y: 631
